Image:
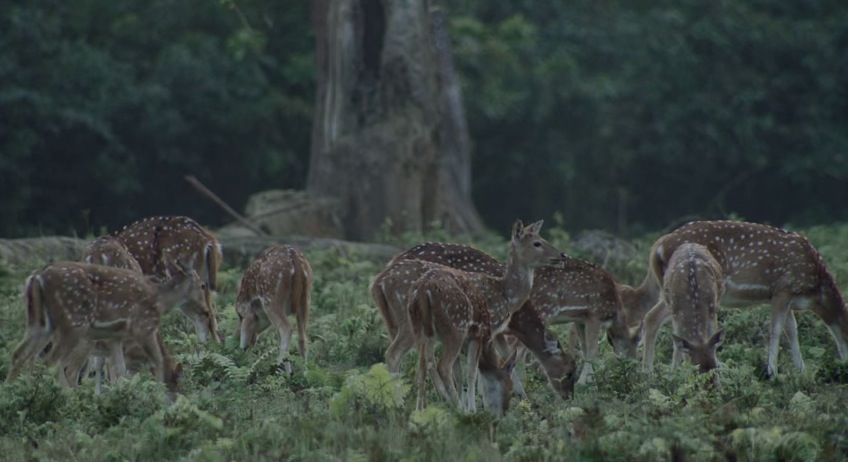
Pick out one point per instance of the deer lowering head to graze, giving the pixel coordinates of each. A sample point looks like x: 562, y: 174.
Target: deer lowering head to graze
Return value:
x: 759, y: 263
x: 74, y: 305
x: 276, y: 285
x: 162, y: 245
x: 571, y: 291
x: 391, y: 289
x: 458, y: 307
x: 582, y: 293
x: 638, y: 300
x: 693, y: 285
x: 110, y: 251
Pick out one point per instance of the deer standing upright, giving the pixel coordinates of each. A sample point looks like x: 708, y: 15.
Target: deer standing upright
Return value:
x: 75, y: 304
x: 277, y: 284
x: 162, y: 245
x: 759, y: 263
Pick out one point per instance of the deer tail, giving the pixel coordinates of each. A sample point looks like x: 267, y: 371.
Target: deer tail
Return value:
x: 214, y: 255
x: 301, y: 299
x: 37, y: 314
x: 421, y: 309
x: 382, y: 302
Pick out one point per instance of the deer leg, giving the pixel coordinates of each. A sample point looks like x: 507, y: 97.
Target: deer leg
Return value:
x: 76, y: 363
x: 99, y: 363
x: 426, y: 362
x: 402, y: 343
x: 451, y: 346
x: 117, y: 361
x: 150, y: 344
x: 211, y: 318
x: 35, y: 342
x: 791, y: 329
x: 471, y: 375
x: 654, y: 319
x: 590, y: 331
x: 284, y: 328
x: 779, y: 312
x: 574, y: 339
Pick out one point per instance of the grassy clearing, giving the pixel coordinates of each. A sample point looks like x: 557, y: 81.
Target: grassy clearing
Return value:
x: 344, y: 406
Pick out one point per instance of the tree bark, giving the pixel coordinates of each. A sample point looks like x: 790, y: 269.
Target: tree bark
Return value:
x: 384, y: 138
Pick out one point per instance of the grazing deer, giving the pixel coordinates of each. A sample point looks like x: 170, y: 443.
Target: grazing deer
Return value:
x: 572, y: 291
x: 75, y: 304
x: 637, y: 301
x: 390, y: 294
x: 692, y: 288
x: 459, y: 307
x: 760, y: 264
x: 107, y: 251
x: 162, y: 245
x: 277, y: 284
x: 110, y: 251
x: 391, y: 291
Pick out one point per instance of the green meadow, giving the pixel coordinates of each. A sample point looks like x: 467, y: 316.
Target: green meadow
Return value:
x: 236, y: 405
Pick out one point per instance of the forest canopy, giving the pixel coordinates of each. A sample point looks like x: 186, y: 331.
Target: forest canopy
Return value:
x: 619, y: 115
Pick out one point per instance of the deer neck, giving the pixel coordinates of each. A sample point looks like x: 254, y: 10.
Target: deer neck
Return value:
x: 169, y: 294
x: 517, y: 283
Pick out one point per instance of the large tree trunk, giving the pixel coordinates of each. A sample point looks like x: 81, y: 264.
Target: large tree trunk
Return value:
x: 389, y: 138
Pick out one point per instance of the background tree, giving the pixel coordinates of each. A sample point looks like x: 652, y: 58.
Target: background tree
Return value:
x: 628, y: 116
x: 386, y: 133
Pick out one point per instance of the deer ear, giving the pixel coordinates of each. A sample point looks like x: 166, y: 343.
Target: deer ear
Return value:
x: 681, y: 343
x: 517, y: 230
x: 716, y: 339
x: 536, y: 227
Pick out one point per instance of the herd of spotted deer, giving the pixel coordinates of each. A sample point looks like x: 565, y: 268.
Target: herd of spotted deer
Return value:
x: 110, y: 304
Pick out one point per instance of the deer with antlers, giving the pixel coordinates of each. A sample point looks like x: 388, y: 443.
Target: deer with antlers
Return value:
x: 276, y: 285
x: 162, y: 245
x: 75, y: 304
x: 693, y: 285
x: 759, y: 263
x: 456, y: 307
x: 571, y: 291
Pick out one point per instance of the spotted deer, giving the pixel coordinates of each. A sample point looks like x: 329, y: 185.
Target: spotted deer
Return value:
x: 759, y: 263
x: 75, y: 304
x: 110, y: 251
x: 638, y: 300
x: 571, y: 291
x: 525, y: 325
x: 456, y: 307
x: 107, y: 251
x: 276, y: 285
x: 162, y: 244
x: 692, y: 288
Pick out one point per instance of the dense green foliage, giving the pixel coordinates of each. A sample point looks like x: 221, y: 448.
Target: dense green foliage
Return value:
x: 343, y: 405
x: 636, y: 114
x: 619, y: 114
x: 107, y: 105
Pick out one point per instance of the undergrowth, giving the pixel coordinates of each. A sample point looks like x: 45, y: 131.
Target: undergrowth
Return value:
x: 342, y: 404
